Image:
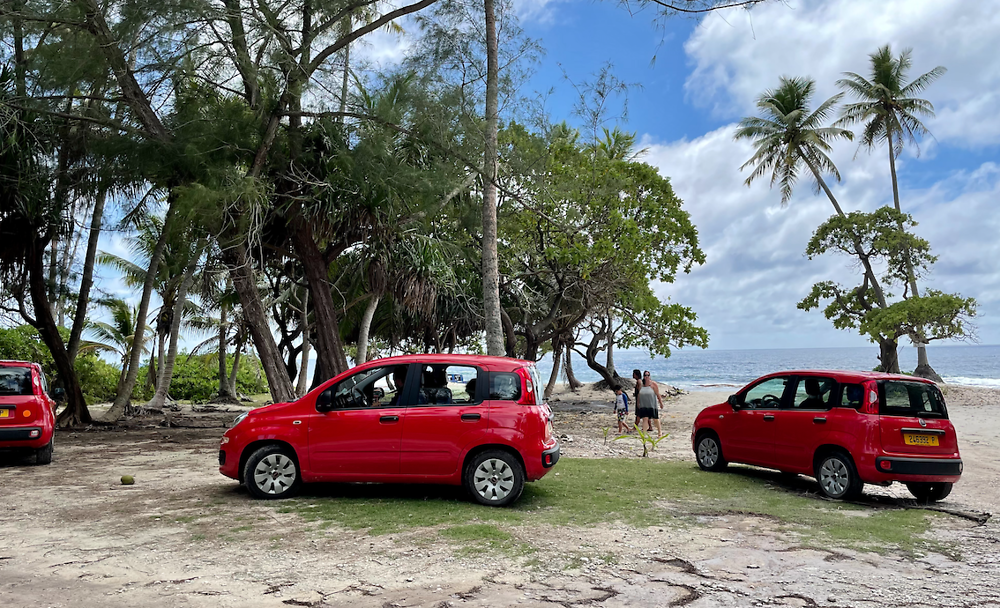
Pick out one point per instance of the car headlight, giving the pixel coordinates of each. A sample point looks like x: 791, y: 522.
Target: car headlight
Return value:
x: 240, y: 418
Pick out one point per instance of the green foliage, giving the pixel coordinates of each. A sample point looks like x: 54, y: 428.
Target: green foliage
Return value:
x: 934, y: 316
x: 196, y: 377
x: 98, y: 378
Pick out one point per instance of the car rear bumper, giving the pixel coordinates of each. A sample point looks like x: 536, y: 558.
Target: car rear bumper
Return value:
x: 542, y: 462
x: 908, y: 469
x: 24, y: 437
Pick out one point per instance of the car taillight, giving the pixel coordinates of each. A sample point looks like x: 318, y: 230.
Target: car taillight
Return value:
x: 528, y: 394
x: 871, y: 396
x: 548, y: 430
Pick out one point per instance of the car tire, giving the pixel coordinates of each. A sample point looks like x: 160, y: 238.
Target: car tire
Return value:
x: 837, y: 476
x: 494, y: 478
x: 272, y: 472
x: 709, y: 453
x: 929, y: 491
x: 43, y: 455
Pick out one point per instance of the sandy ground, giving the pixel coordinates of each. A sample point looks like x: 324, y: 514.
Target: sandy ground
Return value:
x: 185, y: 536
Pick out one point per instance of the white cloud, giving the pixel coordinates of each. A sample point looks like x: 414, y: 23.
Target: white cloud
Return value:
x: 738, y: 55
x: 756, y: 272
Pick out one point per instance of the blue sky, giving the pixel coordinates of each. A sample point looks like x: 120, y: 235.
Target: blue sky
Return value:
x: 705, y: 77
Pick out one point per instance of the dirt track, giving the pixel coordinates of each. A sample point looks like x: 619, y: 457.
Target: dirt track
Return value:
x: 185, y: 536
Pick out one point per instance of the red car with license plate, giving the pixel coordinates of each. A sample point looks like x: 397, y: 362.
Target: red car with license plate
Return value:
x: 27, y: 413
x: 468, y: 420
x: 845, y: 429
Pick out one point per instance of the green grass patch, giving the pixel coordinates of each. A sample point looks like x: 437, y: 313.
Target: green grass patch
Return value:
x: 639, y: 492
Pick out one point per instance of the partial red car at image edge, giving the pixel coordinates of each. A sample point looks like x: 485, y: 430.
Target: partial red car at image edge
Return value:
x: 844, y: 428
x: 469, y: 420
x: 27, y: 413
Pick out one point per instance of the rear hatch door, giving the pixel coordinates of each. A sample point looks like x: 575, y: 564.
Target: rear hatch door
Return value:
x: 913, y: 420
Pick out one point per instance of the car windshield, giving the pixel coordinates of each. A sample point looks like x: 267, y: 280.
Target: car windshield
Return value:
x: 15, y: 381
x: 901, y: 398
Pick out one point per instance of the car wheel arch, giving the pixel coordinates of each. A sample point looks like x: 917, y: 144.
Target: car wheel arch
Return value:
x: 253, y: 446
x: 479, y: 449
x: 829, y: 448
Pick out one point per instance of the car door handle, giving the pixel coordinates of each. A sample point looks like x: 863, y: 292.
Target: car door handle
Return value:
x: 819, y: 420
x: 471, y: 417
x: 769, y: 417
x: 388, y: 419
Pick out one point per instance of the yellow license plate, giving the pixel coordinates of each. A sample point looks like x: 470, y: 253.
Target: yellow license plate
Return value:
x: 914, y: 439
x: 4, y: 413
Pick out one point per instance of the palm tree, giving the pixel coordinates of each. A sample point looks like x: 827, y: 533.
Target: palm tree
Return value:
x: 889, y: 110
x: 116, y: 336
x: 788, y: 137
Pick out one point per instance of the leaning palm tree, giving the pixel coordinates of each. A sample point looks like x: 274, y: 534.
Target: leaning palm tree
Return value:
x: 788, y: 137
x: 889, y: 110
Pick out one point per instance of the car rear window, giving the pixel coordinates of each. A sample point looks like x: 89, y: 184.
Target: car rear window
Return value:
x: 900, y: 398
x: 15, y: 381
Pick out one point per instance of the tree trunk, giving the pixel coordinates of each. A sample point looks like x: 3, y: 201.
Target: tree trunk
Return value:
x: 76, y: 411
x: 224, y: 391
x: 245, y: 283
x: 167, y: 370
x: 346, y: 26
x: 610, y: 363
x: 924, y: 369
x: 491, y: 266
x: 570, y: 376
x: 607, y: 375
x: 87, y: 280
x: 872, y: 280
x: 330, y: 356
x: 510, y: 338
x: 888, y: 356
x: 240, y: 338
x: 303, y: 385
x: 366, y: 323
x: 556, y: 362
x: 125, y: 394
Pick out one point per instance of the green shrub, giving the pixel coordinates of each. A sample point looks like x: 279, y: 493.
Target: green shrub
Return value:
x: 98, y: 378
x: 196, y: 377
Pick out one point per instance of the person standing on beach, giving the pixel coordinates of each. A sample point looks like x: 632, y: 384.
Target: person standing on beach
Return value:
x: 646, y: 406
x: 637, y: 376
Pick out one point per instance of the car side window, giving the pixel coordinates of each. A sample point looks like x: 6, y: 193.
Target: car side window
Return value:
x: 813, y: 393
x: 852, y: 396
x: 505, y: 386
x: 373, y: 387
x: 447, y: 384
x: 766, y: 395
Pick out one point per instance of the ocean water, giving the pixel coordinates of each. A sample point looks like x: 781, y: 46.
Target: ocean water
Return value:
x: 721, y: 370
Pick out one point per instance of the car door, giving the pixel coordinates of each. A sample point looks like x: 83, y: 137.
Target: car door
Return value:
x: 449, y: 409
x: 751, y: 436
x: 802, y: 420
x: 356, y: 431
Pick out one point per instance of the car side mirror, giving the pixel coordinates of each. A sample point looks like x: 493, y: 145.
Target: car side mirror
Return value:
x: 58, y: 394
x: 324, y: 403
x: 734, y: 400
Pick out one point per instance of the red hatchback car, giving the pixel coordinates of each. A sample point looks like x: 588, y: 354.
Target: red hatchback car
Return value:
x: 465, y: 420
x: 27, y: 413
x: 845, y: 429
